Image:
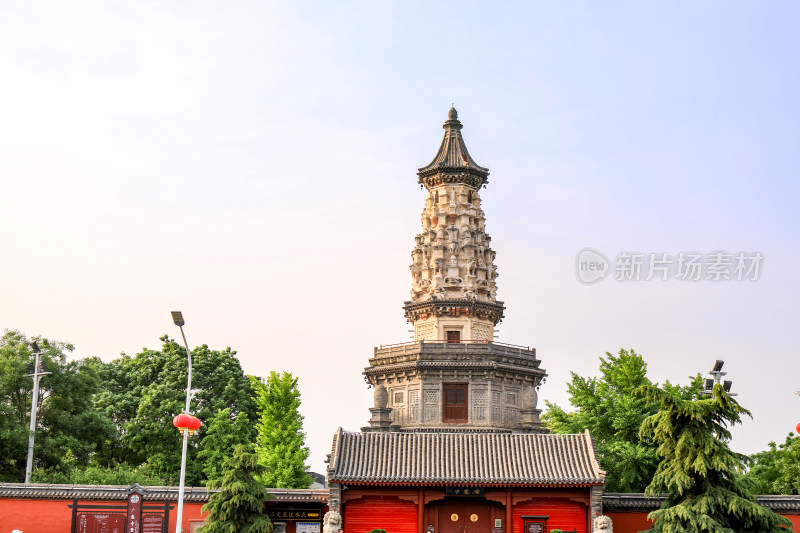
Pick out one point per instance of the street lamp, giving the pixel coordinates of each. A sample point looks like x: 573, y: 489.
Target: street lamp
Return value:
x: 177, y: 318
x: 37, y: 371
x: 717, y: 374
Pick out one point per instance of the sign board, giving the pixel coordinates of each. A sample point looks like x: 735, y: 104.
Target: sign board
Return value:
x: 307, y: 527
x: 153, y: 523
x: 134, y: 514
x: 294, y: 514
x: 464, y: 491
x: 100, y: 523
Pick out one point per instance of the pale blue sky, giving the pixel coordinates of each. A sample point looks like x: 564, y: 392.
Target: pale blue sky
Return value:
x: 253, y: 164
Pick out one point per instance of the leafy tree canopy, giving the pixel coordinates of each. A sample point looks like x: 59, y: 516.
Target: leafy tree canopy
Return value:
x: 281, y: 441
x: 123, y: 474
x: 777, y: 469
x: 607, y: 407
x: 143, y: 393
x: 68, y: 424
x: 698, y: 471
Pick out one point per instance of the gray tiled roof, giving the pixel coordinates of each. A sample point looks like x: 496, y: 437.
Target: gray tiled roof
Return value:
x: 152, y: 494
x: 464, y: 458
x: 614, y: 502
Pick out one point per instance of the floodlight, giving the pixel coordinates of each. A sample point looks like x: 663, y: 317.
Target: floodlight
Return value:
x: 718, y: 366
x: 35, y: 347
x: 177, y: 318
x: 709, y: 383
x: 726, y: 385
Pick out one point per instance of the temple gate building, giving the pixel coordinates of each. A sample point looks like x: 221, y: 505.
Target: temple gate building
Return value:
x: 454, y: 441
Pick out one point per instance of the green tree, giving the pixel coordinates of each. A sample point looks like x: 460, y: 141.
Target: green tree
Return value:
x: 777, y: 469
x: 123, y: 474
x: 607, y: 407
x: 221, y: 439
x: 239, y: 506
x: 144, y: 392
x: 281, y: 441
x: 698, y: 471
x: 70, y: 430
x: 13, y: 409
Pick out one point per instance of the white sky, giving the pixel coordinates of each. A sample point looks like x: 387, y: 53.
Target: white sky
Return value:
x: 254, y: 165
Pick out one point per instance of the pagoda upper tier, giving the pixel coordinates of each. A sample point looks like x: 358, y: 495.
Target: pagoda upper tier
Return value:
x: 454, y: 289
x: 452, y: 163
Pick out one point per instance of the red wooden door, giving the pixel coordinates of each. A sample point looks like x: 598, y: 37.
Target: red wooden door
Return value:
x: 454, y: 402
x: 465, y: 516
x: 453, y: 336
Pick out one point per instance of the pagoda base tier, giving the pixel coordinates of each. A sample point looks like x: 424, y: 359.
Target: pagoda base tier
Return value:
x: 497, y: 381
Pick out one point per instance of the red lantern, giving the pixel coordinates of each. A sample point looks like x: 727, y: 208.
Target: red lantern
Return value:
x: 798, y: 429
x: 194, y: 425
x: 186, y: 422
x: 181, y: 422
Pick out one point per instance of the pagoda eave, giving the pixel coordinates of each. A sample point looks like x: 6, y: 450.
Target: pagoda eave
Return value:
x: 455, y: 307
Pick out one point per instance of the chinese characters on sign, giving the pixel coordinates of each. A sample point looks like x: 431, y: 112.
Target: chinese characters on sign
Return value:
x: 134, y: 513
x: 592, y: 266
x: 464, y: 491
x: 294, y: 514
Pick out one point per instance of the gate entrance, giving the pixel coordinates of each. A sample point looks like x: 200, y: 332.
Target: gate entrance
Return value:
x: 468, y: 515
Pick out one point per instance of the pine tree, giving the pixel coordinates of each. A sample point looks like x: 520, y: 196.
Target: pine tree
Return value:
x: 698, y: 470
x: 280, y: 443
x: 239, y: 506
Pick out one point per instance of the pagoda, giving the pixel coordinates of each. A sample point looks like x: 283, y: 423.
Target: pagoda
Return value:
x: 454, y: 375
x: 454, y: 443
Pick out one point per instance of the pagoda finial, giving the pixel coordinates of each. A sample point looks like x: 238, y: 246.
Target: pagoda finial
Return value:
x: 452, y: 114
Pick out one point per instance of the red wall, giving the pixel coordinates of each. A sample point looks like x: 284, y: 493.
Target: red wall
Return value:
x: 564, y: 514
x: 635, y: 522
x: 49, y: 516
x: 629, y: 522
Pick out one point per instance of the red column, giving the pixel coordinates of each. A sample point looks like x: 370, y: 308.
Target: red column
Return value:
x: 421, y: 511
x: 509, y: 525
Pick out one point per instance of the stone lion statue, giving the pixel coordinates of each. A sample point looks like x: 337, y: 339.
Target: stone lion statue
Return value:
x: 602, y: 524
x: 332, y: 522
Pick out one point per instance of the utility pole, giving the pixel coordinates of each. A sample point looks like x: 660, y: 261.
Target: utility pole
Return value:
x: 37, y: 371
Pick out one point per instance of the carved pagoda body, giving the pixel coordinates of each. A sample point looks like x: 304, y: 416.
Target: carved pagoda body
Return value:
x: 454, y: 375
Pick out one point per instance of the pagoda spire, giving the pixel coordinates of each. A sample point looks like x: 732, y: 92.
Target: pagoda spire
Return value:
x: 452, y: 163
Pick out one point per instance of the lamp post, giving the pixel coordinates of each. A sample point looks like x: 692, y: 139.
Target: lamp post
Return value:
x: 34, y: 407
x: 177, y: 318
x: 717, y: 374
